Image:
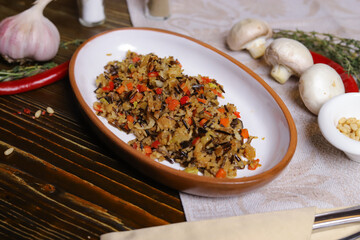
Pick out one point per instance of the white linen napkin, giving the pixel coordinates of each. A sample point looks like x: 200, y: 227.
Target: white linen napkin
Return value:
x: 319, y: 174
x: 295, y: 224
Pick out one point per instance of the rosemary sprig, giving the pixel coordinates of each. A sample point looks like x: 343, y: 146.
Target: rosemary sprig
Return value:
x: 76, y: 43
x: 343, y: 51
x: 18, y: 72
x: 21, y: 71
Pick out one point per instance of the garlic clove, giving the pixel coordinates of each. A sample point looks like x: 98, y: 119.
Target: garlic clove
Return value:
x: 29, y: 35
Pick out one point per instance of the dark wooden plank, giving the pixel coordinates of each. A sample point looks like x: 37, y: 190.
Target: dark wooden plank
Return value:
x: 62, y: 181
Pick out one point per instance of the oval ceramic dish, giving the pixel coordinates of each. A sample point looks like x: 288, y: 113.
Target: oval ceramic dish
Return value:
x: 262, y: 111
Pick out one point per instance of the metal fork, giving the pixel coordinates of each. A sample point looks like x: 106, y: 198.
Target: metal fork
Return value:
x: 338, y: 217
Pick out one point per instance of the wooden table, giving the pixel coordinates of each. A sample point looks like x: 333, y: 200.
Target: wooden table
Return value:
x: 61, y: 181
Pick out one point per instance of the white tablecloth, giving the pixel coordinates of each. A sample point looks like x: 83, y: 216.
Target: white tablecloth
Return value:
x: 318, y: 175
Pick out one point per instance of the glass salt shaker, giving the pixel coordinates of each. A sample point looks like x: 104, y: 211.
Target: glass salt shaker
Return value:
x: 91, y: 12
x: 157, y: 9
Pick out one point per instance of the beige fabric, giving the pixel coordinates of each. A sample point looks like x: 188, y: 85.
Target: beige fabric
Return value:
x: 283, y: 225
x: 319, y: 174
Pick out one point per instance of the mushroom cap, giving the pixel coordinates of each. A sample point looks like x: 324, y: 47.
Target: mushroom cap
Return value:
x: 318, y: 84
x: 246, y: 31
x: 290, y: 53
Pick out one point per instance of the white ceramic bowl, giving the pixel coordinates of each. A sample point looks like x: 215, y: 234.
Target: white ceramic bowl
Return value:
x: 346, y: 105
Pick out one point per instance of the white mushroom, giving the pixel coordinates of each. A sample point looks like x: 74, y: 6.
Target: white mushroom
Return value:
x: 318, y: 84
x: 250, y: 34
x: 287, y: 57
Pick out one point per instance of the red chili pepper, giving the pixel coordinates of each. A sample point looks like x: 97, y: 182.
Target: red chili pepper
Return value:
x: 349, y: 82
x: 37, y: 81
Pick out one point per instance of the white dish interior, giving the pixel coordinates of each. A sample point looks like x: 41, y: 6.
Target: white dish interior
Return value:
x: 259, y: 111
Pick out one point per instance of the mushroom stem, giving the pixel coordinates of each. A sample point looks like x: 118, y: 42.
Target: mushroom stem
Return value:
x: 281, y: 73
x: 256, y: 47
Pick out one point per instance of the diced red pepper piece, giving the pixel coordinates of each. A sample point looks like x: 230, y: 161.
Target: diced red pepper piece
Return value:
x: 97, y: 107
x: 184, y: 100
x: 237, y: 114
x: 155, y: 144
x: 153, y: 74
x: 110, y: 87
x: 27, y: 111
x: 195, y: 141
x: 158, y: 91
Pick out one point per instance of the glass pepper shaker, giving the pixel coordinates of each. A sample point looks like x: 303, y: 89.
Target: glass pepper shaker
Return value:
x: 91, y: 12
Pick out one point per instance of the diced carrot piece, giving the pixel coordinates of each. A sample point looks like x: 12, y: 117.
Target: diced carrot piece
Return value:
x: 141, y: 88
x: 202, y: 122
x: 224, y: 122
x: 130, y: 118
x: 237, y: 114
x: 202, y: 100
x: 120, y: 89
x: 129, y: 86
x: 244, y: 133
x: 173, y: 104
x: 112, y: 77
x: 168, y: 100
x: 222, y: 110
x: 135, y: 59
x: 221, y: 173
x: 147, y: 150
x: 189, y: 121
x: 209, y: 114
x: 206, y: 79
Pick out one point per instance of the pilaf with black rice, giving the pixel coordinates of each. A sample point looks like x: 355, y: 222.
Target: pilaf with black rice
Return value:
x: 174, y: 117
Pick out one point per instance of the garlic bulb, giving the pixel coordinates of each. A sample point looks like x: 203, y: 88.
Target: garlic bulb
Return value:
x: 29, y: 35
